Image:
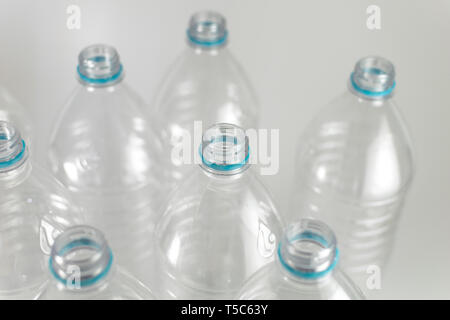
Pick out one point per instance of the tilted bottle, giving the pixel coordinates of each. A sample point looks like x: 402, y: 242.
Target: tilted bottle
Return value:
x: 82, y: 266
x: 355, y: 165
x: 206, y: 84
x: 104, y: 150
x: 306, y: 268
x: 220, y: 224
x: 34, y: 209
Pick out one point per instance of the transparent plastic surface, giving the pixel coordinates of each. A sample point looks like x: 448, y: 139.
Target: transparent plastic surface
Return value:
x: 355, y: 165
x: 106, y: 153
x: 205, y: 84
x: 12, y: 111
x: 220, y: 224
x: 306, y: 268
x: 34, y: 209
x: 82, y: 267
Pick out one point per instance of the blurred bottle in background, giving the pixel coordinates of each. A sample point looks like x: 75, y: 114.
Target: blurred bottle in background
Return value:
x: 220, y: 225
x: 205, y: 84
x: 82, y: 267
x: 12, y: 111
x: 105, y: 152
x: 306, y: 268
x: 34, y: 209
x: 354, y: 167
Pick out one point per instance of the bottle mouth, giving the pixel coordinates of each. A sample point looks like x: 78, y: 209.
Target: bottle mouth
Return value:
x: 80, y: 257
x: 13, y: 150
x: 308, y: 249
x: 224, y: 149
x: 207, y: 29
x: 373, y: 77
x: 99, y: 65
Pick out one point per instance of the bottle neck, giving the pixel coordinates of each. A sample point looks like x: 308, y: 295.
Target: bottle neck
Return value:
x: 14, y: 162
x: 373, y: 79
x: 308, y: 251
x: 81, y: 258
x: 207, y: 31
x: 225, y: 150
x: 99, y: 66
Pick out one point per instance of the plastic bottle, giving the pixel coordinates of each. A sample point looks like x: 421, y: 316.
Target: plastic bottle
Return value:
x: 105, y: 152
x: 34, y: 209
x: 355, y: 165
x: 306, y: 268
x: 220, y: 225
x: 82, y: 266
x: 205, y: 84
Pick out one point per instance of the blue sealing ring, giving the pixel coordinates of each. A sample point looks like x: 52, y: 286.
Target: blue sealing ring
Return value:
x: 100, y: 80
x: 17, y: 158
x: 309, y: 275
x: 86, y: 282
x: 214, y: 43
x: 224, y: 167
x: 371, y: 93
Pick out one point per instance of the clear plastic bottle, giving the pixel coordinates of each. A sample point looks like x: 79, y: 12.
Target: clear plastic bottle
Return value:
x: 220, y: 225
x: 82, y: 267
x: 34, y: 209
x: 306, y: 268
x: 12, y: 111
x: 106, y: 153
x: 355, y: 165
x: 205, y: 84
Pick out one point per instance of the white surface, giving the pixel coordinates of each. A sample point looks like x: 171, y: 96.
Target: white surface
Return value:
x: 299, y: 55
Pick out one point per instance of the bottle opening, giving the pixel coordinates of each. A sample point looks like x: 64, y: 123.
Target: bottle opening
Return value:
x: 224, y: 149
x: 308, y: 249
x: 80, y: 257
x: 13, y: 151
x: 207, y: 29
x: 373, y: 77
x: 99, y: 64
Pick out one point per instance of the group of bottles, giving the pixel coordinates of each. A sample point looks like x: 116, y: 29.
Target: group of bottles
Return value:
x: 117, y: 216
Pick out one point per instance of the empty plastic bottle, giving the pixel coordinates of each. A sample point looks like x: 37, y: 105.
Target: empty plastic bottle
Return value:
x: 205, y: 84
x: 34, y: 209
x: 105, y: 151
x: 82, y: 266
x: 354, y: 167
x: 12, y: 111
x: 220, y: 225
x: 306, y: 268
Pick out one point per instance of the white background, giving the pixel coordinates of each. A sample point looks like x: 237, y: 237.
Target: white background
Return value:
x: 299, y: 55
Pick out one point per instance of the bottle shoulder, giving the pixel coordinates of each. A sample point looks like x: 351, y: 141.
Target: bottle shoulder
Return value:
x: 103, y: 139
x: 192, y: 88
x: 35, y: 185
x: 200, y: 185
x: 356, y: 148
x: 120, y: 98
x: 273, y: 283
x: 120, y: 285
x: 41, y: 206
x: 230, y: 226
